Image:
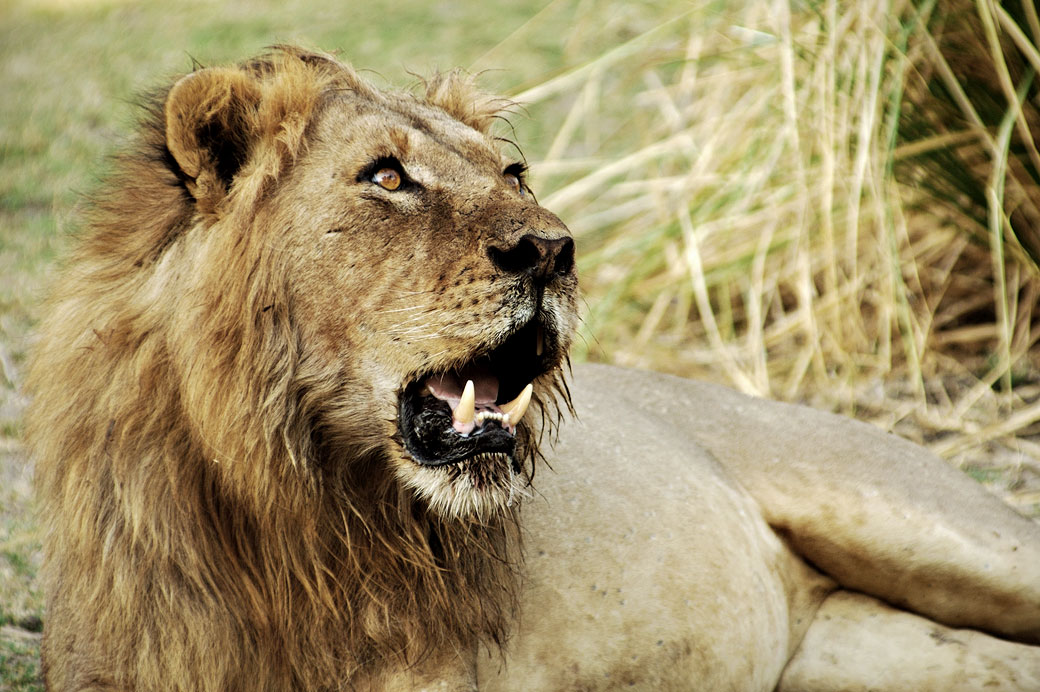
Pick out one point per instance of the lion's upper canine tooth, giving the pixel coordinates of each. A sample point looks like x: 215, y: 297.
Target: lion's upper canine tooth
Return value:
x: 516, y: 408
x: 539, y: 342
x: 465, y: 412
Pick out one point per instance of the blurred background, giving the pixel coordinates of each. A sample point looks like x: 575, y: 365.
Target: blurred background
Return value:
x: 835, y: 203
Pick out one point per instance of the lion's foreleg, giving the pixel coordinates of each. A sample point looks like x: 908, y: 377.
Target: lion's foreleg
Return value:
x: 857, y: 643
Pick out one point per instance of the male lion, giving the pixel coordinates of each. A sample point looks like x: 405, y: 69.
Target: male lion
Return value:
x: 281, y: 444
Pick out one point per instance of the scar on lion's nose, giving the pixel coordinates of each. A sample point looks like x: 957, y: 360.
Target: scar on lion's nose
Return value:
x: 542, y: 258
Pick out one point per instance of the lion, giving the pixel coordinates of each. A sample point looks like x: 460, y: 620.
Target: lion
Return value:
x: 292, y: 391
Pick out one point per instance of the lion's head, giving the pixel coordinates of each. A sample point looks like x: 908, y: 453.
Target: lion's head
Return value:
x: 391, y: 255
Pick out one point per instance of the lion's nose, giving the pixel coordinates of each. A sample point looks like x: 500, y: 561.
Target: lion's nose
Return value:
x: 540, y: 257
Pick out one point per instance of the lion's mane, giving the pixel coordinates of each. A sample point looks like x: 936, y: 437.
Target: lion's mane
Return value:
x: 185, y: 476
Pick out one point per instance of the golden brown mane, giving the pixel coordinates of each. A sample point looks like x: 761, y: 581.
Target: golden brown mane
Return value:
x: 195, y: 429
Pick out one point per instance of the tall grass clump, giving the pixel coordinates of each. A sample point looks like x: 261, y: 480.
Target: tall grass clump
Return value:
x: 835, y: 203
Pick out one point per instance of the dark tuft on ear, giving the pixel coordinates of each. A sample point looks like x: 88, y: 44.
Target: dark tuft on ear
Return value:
x: 228, y: 148
x: 211, y: 123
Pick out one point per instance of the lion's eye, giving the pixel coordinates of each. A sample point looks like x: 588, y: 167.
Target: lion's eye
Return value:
x: 514, y: 175
x: 513, y: 181
x: 387, y: 178
x: 386, y: 172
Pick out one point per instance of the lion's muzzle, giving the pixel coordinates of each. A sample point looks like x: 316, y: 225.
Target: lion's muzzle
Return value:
x: 474, y: 408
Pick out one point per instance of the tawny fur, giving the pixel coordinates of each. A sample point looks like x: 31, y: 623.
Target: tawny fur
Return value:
x: 202, y: 523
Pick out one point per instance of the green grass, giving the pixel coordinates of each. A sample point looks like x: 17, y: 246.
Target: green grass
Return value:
x: 21, y: 603
x: 20, y: 665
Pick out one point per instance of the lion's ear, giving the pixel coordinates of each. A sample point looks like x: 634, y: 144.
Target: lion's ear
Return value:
x: 211, y: 124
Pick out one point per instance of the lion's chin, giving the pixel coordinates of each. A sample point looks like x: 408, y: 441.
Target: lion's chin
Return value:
x: 479, y: 487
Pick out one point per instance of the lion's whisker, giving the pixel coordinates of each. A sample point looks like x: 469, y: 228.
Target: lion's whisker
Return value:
x: 407, y: 309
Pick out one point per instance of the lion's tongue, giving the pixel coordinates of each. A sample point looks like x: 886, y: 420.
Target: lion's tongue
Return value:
x: 448, y: 387
x: 470, y: 411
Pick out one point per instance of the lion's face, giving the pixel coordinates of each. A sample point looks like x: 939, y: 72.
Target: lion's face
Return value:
x: 419, y: 265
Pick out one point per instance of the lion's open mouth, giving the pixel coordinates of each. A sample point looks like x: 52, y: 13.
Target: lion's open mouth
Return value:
x: 448, y: 417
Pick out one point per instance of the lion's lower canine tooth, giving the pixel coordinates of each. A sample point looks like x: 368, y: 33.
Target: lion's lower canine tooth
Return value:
x: 516, y: 408
x: 465, y: 411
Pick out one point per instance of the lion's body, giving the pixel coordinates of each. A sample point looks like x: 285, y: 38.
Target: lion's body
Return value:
x: 650, y: 560
x: 256, y: 471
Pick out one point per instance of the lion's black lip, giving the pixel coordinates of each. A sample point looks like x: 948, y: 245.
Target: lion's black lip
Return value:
x: 425, y: 422
x: 430, y: 439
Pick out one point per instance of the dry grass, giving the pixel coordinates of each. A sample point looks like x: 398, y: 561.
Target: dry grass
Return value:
x: 834, y: 204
